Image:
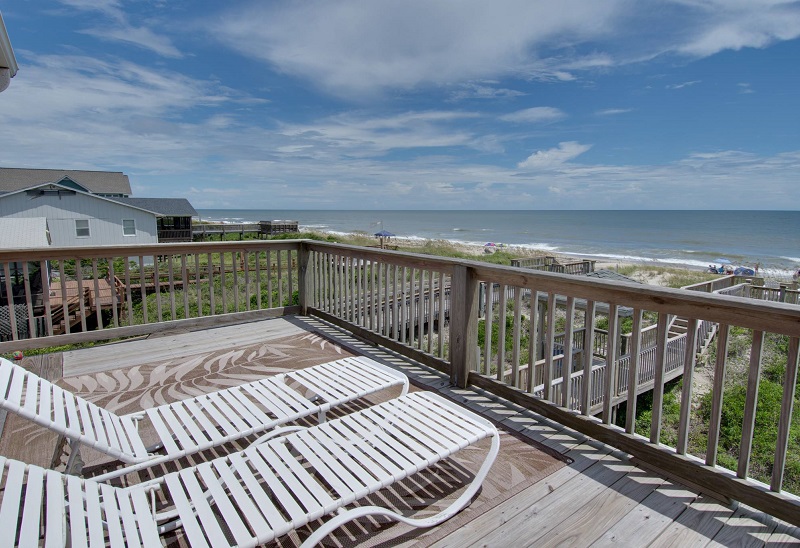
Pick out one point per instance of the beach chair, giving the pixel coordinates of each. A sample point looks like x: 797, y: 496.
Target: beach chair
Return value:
x: 259, y: 494
x: 196, y: 424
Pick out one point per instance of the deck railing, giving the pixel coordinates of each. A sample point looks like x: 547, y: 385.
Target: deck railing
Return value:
x: 427, y: 308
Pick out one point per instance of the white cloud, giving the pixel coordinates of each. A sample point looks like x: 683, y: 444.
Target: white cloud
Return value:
x: 554, y: 157
x: 119, y: 29
x: 141, y: 37
x: 613, y: 111
x: 534, y: 115
x: 683, y: 84
x: 355, y: 49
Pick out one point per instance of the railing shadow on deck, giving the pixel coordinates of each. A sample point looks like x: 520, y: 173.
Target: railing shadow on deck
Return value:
x: 428, y: 309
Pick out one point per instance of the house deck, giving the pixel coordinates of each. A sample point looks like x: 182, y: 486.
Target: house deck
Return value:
x: 600, y: 498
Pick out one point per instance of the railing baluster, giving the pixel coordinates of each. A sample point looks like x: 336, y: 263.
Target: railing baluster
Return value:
x: 588, y: 358
x: 97, y: 299
x: 269, y: 278
x: 488, y: 318
x: 784, y: 423
x: 689, y: 360
x: 279, y: 260
x: 198, y: 285
x: 501, y: 334
x: 223, y: 282
x: 412, y: 306
x: 421, y: 311
x: 750, y: 404
x: 12, y: 315
x: 28, y: 300
x: 716, y: 401
x: 549, y: 373
x: 81, y: 296
x: 533, y: 341
x: 395, y: 311
x: 658, y: 382
x: 611, y: 362
x: 142, y: 289
x: 516, y: 336
x: 185, y: 280
x: 246, y: 259
x: 171, y: 287
x: 211, y: 290
x: 566, y: 362
x: 46, y: 296
x: 633, y: 371
x: 115, y: 301
x: 157, y: 287
x: 441, y: 320
x: 236, y: 261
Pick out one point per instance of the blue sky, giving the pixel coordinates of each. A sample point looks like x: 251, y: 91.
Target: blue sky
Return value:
x: 414, y: 104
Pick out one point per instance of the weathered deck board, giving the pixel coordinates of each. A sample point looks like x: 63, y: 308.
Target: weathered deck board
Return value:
x: 112, y: 356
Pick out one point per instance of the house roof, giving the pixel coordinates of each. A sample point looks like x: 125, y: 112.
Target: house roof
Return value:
x: 97, y: 182
x: 46, y: 188
x: 170, y: 207
x: 24, y: 233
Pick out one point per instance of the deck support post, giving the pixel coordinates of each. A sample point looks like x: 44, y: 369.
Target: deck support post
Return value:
x: 463, y: 324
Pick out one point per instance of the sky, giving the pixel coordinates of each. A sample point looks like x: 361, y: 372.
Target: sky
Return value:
x: 414, y: 104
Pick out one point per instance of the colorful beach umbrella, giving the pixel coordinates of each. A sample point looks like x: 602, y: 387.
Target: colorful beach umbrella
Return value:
x: 722, y: 260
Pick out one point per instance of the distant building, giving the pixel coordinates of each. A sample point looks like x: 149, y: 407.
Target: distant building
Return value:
x: 77, y: 218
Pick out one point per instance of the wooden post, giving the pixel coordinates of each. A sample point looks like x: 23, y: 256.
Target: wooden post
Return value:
x: 463, y: 325
x: 304, y: 278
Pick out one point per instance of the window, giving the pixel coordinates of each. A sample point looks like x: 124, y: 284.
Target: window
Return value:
x: 82, y: 228
x: 129, y: 227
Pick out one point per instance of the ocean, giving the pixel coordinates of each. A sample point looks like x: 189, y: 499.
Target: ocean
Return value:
x: 691, y: 239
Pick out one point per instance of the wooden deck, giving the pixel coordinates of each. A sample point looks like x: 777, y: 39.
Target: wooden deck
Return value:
x: 602, y: 498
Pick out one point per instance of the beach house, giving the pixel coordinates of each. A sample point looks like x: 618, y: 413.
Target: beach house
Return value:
x: 90, y: 208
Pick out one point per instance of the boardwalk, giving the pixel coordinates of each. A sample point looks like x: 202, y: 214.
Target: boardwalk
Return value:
x: 601, y: 498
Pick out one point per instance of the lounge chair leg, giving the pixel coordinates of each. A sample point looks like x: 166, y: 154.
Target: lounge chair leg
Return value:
x: 75, y: 462
x: 57, y: 452
x: 321, y: 416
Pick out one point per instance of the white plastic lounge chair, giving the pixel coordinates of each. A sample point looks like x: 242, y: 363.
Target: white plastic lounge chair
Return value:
x: 261, y: 493
x: 196, y: 424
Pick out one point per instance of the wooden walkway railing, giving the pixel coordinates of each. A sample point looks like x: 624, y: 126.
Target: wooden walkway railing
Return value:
x: 377, y: 293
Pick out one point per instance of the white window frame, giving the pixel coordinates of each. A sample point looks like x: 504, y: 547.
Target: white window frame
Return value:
x: 78, y: 229
x: 124, y: 230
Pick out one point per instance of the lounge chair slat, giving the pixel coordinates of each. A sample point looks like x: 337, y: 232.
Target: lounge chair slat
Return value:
x: 237, y: 424
x: 341, y: 480
x: 10, y: 509
x: 15, y: 388
x: 59, y: 417
x: 31, y: 513
x: 243, y: 499
x: 240, y: 415
x: 321, y: 496
x: 45, y: 403
x: 341, y: 457
x: 77, y: 516
x: 116, y: 535
x: 275, y: 484
x: 216, y: 488
x: 198, y: 437
x: 365, y: 453
x: 362, y: 426
x: 277, y: 522
x: 93, y: 514
x: 6, y: 371
x: 272, y: 395
x: 189, y: 520
x: 145, y: 525
x: 298, y: 481
x: 241, y: 397
x: 163, y: 431
x: 214, y: 533
x: 128, y: 519
x: 31, y: 395
x: 86, y: 421
x: 209, y: 406
x: 200, y: 416
x: 54, y: 514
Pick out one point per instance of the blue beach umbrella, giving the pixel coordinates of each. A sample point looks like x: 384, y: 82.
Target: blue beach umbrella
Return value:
x: 722, y: 260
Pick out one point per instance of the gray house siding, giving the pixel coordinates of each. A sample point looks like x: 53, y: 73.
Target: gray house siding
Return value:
x: 105, y: 218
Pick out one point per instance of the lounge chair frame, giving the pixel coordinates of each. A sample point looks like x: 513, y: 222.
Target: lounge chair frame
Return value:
x: 259, y: 494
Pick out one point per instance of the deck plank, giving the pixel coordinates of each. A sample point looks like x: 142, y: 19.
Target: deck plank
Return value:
x: 700, y: 522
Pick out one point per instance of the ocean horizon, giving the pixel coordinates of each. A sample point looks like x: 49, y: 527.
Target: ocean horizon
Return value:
x: 692, y: 239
